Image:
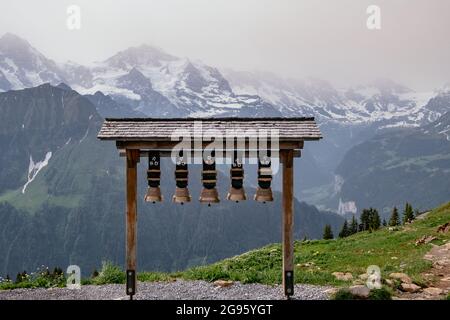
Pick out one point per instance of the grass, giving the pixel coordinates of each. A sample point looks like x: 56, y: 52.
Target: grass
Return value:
x: 315, y: 260
x: 380, y: 294
x: 110, y: 273
x: 375, y: 294
x: 42, y: 278
x: 156, y: 276
x: 35, y: 196
x: 343, y: 294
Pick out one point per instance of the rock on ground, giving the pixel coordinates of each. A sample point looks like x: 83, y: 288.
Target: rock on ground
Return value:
x: 347, y: 276
x: 433, y: 291
x: 175, y: 290
x: 403, y: 277
x: 410, y: 287
x: 437, y: 278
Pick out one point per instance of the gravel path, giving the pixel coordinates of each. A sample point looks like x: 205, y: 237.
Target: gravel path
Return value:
x: 176, y: 290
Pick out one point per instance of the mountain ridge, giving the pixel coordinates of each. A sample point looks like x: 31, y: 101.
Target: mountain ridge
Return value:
x: 71, y: 210
x: 186, y: 88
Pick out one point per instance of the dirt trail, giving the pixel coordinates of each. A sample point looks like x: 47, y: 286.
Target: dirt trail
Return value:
x: 437, y: 278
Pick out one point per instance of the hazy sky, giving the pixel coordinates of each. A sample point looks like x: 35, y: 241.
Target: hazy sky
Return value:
x: 322, y: 38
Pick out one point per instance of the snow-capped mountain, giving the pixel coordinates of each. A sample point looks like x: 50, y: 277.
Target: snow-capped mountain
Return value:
x: 442, y: 124
x: 158, y: 84
x: 22, y: 66
x: 152, y: 82
x: 380, y: 101
x: 145, y: 78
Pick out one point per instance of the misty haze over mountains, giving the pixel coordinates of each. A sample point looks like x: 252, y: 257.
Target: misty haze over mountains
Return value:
x: 146, y: 81
x: 156, y: 83
x: 384, y: 144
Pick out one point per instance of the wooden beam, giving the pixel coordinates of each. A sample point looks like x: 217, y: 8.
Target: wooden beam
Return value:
x: 168, y: 154
x: 131, y: 219
x: 169, y: 145
x: 288, y: 222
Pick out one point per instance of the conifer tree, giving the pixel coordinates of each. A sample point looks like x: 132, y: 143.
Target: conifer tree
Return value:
x: 353, y: 226
x: 327, y: 233
x: 360, y: 227
x: 370, y: 220
x: 365, y: 220
x: 384, y: 223
x: 408, y: 214
x: 394, y: 220
x: 375, y: 221
x: 344, y: 231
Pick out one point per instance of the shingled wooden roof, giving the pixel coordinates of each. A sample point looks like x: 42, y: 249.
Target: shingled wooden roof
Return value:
x: 147, y: 129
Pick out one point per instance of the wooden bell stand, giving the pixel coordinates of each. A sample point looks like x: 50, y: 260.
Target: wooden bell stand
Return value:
x: 134, y: 144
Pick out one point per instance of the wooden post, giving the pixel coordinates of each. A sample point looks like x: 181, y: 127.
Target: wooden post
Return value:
x: 288, y: 222
x: 131, y: 219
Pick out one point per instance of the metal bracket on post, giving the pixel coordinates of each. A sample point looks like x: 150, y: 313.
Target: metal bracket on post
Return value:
x: 131, y: 283
x: 289, y: 283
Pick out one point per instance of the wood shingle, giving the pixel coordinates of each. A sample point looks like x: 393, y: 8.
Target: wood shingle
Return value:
x: 147, y: 129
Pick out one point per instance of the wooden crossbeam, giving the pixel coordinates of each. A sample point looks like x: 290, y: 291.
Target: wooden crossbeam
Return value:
x: 168, y: 153
x: 169, y: 145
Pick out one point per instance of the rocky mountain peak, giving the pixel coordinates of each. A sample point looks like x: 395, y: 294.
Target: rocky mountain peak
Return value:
x: 63, y: 86
x: 45, y: 107
x: 24, y: 66
x: 135, y: 77
x: 20, y: 52
x: 138, y: 56
x: 12, y: 41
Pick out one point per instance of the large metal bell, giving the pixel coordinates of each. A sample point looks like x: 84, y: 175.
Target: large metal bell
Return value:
x: 263, y: 194
x: 181, y: 195
x: 153, y: 195
x: 209, y: 195
x: 236, y: 194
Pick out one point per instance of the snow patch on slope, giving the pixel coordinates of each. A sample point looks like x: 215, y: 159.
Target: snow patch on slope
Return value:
x: 34, y: 168
x: 108, y: 89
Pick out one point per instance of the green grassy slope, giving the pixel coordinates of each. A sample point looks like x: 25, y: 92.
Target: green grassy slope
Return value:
x: 315, y: 260
x: 392, y: 251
